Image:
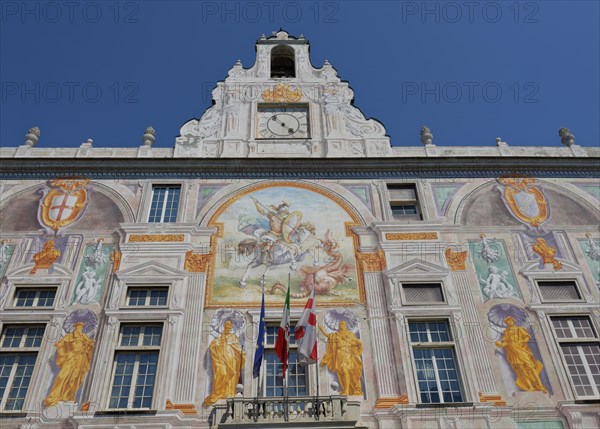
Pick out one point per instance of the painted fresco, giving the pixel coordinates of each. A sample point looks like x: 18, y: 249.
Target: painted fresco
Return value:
x: 532, y: 244
x: 590, y: 188
x: 525, y: 200
x: 39, y: 243
x: 363, y: 193
x: 351, y: 338
x: 92, y: 273
x: 591, y: 252
x: 517, y: 349
x: 71, y: 362
x: 286, y: 233
x: 494, y: 273
x: 443, y: 194
x: 7, y: 249
x: 225, y: 354
x: 541, y: 424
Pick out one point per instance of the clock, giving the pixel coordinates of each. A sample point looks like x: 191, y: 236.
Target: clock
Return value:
x: 283, y: 121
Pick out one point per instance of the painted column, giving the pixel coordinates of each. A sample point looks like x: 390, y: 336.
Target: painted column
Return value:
x: 472, y: 325
x: 387, y: 387
x: 189, y: 350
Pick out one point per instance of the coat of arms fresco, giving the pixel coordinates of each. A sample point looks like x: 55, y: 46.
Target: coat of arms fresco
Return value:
x: 293, y: 232
x: 524, y: 200
x: 64, y: 203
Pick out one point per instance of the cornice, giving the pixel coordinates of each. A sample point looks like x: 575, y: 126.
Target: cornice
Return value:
x: 299, y: 168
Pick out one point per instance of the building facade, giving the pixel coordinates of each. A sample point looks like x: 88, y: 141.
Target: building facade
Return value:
x: 455, y: 287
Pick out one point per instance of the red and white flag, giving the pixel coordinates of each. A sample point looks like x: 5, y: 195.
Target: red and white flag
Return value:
x: 306, y: 331
x: 282, y: 346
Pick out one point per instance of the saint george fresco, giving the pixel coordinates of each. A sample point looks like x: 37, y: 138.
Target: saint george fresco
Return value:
x: 281, y: 230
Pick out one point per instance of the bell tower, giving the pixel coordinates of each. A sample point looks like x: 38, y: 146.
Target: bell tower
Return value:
x: 282, y: 106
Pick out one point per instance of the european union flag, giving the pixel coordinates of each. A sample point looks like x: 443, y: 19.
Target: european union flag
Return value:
x: 260, y: 341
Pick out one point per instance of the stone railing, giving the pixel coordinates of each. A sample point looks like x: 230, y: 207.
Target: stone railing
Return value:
x: 279, y: 411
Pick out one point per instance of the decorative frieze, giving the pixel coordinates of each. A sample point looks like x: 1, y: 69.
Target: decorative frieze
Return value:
x: 411, y: 236
x: 145, y: 238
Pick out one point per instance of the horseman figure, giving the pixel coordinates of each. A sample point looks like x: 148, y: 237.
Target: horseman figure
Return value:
x: 276, y: 240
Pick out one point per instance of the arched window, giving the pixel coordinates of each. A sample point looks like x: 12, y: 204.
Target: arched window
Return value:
x: 282, y: 62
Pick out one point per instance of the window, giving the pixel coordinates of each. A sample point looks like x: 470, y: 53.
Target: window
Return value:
x: 435, y: 362
x: 423, y: 293
x: 19, y: 346
x: 580, y: 348
x: 404, y: 203
x: 165, y: 201
x: 559, y: 291
x: 282, y: 62
x: 147, y: 296
x: 296, y: 374
x: 34, y: 297
x: 135, y: 366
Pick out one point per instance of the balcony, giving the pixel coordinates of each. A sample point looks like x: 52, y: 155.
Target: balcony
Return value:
x: 330, y: 412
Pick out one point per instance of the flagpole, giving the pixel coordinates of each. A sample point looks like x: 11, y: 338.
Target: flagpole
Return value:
x: 285, y: 379
x: 259, y: 385
x: 317, y: 360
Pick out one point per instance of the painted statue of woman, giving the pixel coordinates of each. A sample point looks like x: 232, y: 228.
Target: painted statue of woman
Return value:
x: 228, y: 359
x: 515, y: 341
x: 344, y: 357
x: 73, y: 357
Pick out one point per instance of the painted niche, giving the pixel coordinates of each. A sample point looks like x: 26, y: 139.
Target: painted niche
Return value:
x: 73, y: 358
x: 92, y: 273
x: 591, y: 252
x: 343, y: 355
x: 517, y: 349
x: 494, y: 273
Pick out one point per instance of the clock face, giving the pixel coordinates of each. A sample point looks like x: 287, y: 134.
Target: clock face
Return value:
x: 282, y: 122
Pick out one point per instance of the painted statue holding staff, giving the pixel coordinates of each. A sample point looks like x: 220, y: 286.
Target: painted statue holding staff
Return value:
x: 228, y: 359
x: 73, y: 358
x: 515, y: 341
x: 344, y: 357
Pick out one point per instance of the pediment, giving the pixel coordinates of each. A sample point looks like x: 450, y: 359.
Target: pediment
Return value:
x: 533, y: 267
x: 151, y: 269
x: 417, y: 268
x: 59, y: 272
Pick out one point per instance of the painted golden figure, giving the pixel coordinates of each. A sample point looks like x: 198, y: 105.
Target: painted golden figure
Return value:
x: 515, y: 341
x: 228, y: 359
x: 73, y: 357
x: 46, y: 257
x: 344, y: 357
x: 547, y: 253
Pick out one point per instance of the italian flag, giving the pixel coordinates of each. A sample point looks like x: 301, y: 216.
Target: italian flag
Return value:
x: 282, y: 346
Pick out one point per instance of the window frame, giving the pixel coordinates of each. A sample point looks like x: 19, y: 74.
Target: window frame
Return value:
x: 130, y: 287
x: 270, y: 349
x: 419, y: 216
x: 577, y: 341
x: 440, y: 283
x: 19, y: 350
x: 168, y: 186
x: 138, y: 350
x: 578, y: 290
x: 451, y: 345
x: 38, y: 289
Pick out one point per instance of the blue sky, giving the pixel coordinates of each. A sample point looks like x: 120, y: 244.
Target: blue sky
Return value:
x: 471, y: 71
